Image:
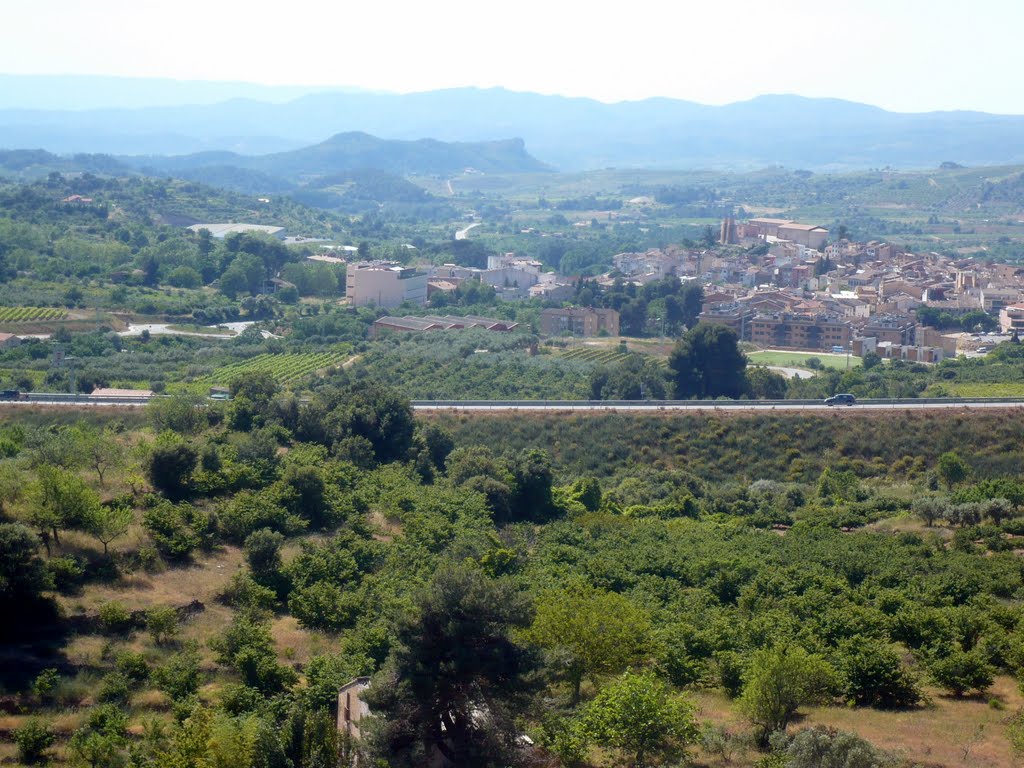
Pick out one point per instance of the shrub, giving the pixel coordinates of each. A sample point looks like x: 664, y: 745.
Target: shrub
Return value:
x: 828, y: 748
x: 114, y: 618
x: 874, y: 676
x: 45, y: 684
x: 132, y: 665
x: 162, y: 624
x: 33, y: 739
x: 66, y: 573
x: 114, y: 689
x: 962, y: 671
x: 179, y: 676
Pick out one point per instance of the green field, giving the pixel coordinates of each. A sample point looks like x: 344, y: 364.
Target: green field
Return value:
x: 799, y: 359
x: 597, y: 355
x: 29, y: 314
x: 285, y: 368
x: 984, y: 389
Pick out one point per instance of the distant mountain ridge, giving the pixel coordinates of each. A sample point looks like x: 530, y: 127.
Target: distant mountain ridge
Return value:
x: 358, y: 150
x: 568, y: 133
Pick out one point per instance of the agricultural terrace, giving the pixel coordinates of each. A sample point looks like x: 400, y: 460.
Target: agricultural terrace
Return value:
x: 30, y: 314
x: 596, y: 355
x: 285, y: 368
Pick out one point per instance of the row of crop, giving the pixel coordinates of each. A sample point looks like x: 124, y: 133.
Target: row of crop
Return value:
x: 285, y: 368
x: 29, y: 314
x: 594, y: 355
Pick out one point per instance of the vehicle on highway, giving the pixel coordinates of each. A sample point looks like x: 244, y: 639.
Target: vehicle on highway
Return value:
x: 12, y: 394
x: 843, y: 399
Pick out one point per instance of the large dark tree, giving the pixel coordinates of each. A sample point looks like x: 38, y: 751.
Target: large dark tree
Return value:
x: 376, y: 414
x: 455, y: 679
x: 707, y: 362
x: 22, y: 572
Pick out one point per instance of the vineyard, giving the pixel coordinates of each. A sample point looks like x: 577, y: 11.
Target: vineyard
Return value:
x: 30, y: 314
x: 596, y: 355
x: 285, y: 368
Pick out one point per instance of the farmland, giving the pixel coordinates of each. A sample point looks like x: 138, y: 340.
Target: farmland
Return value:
x: 30, y: 314
x: 595, y: 355
x: 285, y: 368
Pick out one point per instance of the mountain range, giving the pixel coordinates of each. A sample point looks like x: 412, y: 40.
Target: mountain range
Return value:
x: 566, y: 133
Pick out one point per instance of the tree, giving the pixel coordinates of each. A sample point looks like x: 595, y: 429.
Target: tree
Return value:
x: 162, y: 624
x: 23, y: 574
x: 874, y: 676
x: 961, y: 671
x: 182, y: 412
x: 33, y: 739
x: 63, y: 500
x: 763, y: 384
x: 639, y: 715
x: 952, y: 469
x: 532, y: 485
x: 107, y: 522
x: 100, y: 450
x: 455, y: 679
x: 589, y: 631
x: 707, y: 362
x: 170, y: 467
x: 263, y: 552
x: 777, y: 682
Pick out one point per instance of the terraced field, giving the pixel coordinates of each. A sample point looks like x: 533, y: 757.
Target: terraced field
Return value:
x: 595, y: 355
x: 30, y: 314
x: 285, y: 368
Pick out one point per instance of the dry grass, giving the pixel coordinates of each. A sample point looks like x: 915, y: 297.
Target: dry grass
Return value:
x: 296, y: 645
x: 176, y: 586
x: 936, y: 735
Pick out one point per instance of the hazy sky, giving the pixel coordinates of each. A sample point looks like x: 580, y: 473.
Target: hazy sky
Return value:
x: 906, y: 55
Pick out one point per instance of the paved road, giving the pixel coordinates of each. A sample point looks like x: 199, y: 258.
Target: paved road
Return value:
x: 715, y: 406
x: 463, y: 234
x: 568, y: 405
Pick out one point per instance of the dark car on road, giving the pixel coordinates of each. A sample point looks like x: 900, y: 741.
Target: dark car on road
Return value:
x: 843, y: 399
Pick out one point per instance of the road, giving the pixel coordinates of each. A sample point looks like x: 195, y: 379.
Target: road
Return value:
x: 463, y: 234
x: 647, y: 406
x: 711, y: 405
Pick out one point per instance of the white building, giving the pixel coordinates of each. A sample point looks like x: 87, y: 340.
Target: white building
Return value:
x: 384, y: 284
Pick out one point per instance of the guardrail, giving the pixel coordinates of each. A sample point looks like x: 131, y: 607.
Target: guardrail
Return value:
x: 683, y: 404
x: 62, y: 398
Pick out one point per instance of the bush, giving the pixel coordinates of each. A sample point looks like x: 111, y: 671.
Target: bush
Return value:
x: 179, y: 676
x: 873, y: 675
x: 133, y: 666
x: 962, y: 671
x: 45, y: 684
x: 170, y: 468
x: 115, y: 619
x: 33, y: 739
x: 66, y: 574
x: 828, y: 748
x: 162, y: 624
x: 114, y: 689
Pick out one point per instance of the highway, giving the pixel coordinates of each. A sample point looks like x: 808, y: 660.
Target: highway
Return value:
x: 57, y: 400
x: 649, y: 406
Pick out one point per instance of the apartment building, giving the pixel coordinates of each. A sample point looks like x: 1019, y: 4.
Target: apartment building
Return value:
x: 384, y: 284
x: 579, y: 321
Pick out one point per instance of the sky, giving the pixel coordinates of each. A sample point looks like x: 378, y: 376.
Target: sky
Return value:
x: 903, y: 55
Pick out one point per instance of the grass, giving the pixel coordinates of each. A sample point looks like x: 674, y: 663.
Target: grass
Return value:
x: 984, y: 389
x: 204, y: 330
x: 934, y: 735
x: 799, y: 359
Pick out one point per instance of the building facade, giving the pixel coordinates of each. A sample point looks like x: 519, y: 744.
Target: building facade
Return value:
x: 384, y: 284
x: 579, y: 321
